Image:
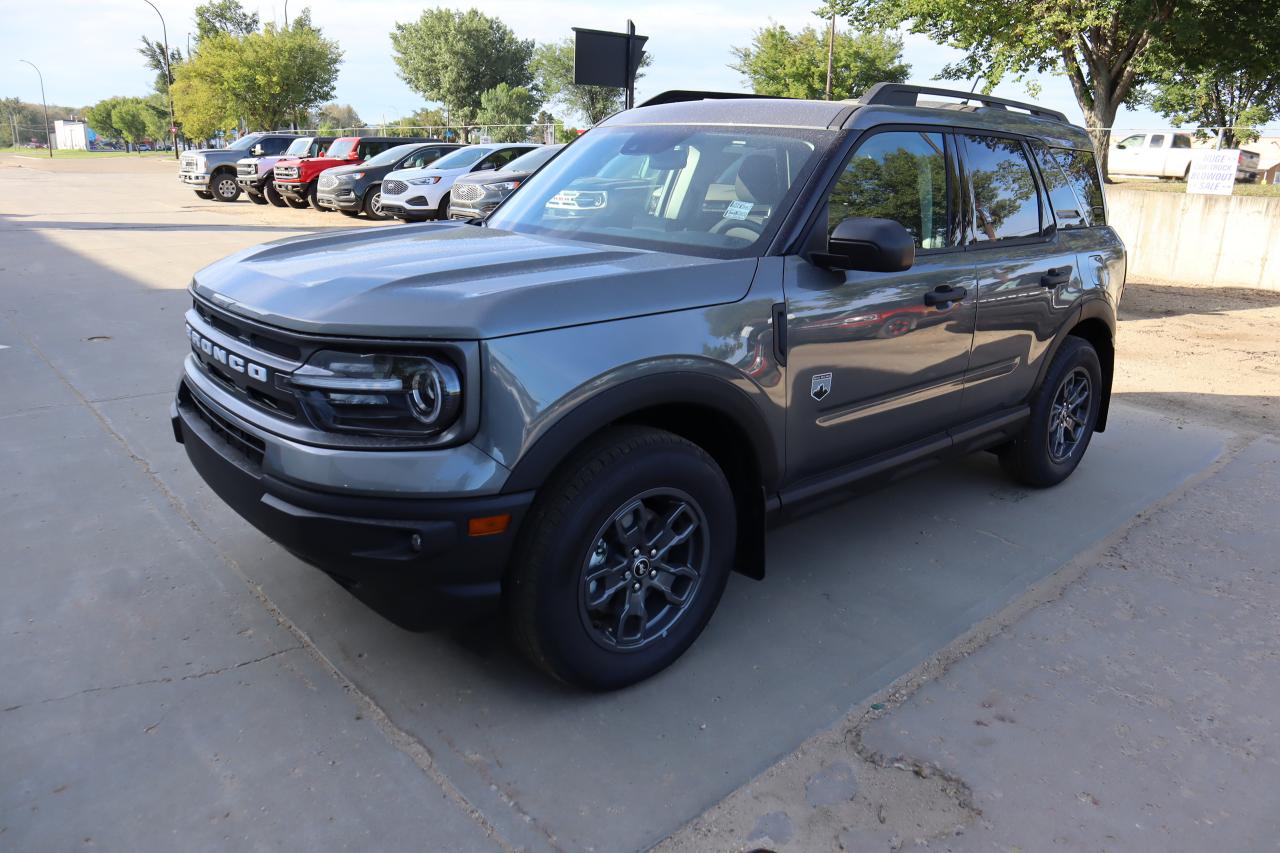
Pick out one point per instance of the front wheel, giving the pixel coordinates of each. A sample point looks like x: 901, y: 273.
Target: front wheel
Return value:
x: 296, y: 203
x: 255, y: 197
x: 204, y: 194
x: 442, y: 212
x: 273, y: 195
x: 373, y: 203
x: 224, y: 187
x: 1064, y: 412
x: 623, y: 559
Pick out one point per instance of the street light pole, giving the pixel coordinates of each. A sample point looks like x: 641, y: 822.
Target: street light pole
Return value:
x: 286, y: 14
x: 48, y: 140
x: 168, y: 76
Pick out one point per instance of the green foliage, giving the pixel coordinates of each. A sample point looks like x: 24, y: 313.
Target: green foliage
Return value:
x: 507, y: 105
x: 411, y: 125
x: 552, y: 67
x: 453, y: 57
x: 130, y: 119
x: 794, y: 65
x: 266, y: 79
x: 153, y: 52
x: 224, y: 17
x: 334, y: 116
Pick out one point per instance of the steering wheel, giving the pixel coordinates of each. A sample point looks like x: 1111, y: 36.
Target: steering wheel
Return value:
x: 747, y: 229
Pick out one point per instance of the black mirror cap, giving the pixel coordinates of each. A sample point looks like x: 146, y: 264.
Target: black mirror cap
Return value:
x: 870, y: 245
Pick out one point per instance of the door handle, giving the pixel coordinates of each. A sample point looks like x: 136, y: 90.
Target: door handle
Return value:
x: 945, y: 295
x: 1055, y: 276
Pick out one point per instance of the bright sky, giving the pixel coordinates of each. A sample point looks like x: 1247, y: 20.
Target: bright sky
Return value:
x: 86, y: 48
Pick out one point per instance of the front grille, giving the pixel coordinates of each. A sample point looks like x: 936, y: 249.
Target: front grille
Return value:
x: 394, y: 187
x: 327, y: 182
x: 468, y: 192
x: 287, y: 173
x: 255, y: 344
x: 188, y: 164
x: 246, y: 170
x: 246, y: 444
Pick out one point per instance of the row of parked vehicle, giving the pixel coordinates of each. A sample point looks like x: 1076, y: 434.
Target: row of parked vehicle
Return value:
x: 379, y: 177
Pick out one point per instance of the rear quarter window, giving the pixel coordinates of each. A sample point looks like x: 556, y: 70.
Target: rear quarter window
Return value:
x: 1081, y: 170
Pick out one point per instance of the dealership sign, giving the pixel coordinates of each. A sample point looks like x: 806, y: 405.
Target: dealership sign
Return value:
x: 1213, y: 172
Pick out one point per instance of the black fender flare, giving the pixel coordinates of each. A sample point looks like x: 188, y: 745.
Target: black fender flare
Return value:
x: 1097, y: 307
x: 617, y: 402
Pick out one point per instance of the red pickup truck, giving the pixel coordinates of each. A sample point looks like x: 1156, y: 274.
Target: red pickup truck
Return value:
x: 295, y: 178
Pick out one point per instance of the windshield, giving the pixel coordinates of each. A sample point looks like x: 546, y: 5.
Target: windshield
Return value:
x: 299, y: 146
x: 532, y: 161
x: 244, y: 143
x: 718, y: 192
x: 341, y: 148
x: 392, y: 155
x: 461, y: 158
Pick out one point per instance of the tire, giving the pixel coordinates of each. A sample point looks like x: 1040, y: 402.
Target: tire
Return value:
x: 352, y: 213
x: 1048, y: 449
x: 311, y: 198
x: 224, y: 187
x: 273, y: 195
x: 296, y: 203
x: 255, y: 197
x: 628, y: 487
x: 204, y: 194
x: 442, y: 212
x: 373, y: 203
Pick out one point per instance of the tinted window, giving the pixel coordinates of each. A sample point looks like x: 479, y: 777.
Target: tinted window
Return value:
x: 1082, y: 172
x: 1181, y: 141
x: 1157, y: 140
x: 390, y: 155
x: 1068, y: 210
x: 1006, y: 205
x: 531, y: 161
x: 423, y: 158
x: 341, y: 148
x: 461, y: 158
x: 500, y: 158
x: 373, y: 147
x: 275, y: 145
x: 900, y: 175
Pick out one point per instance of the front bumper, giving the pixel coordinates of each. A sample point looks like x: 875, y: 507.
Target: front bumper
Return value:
x: 253, y: 183
x: 338, y: 198
x: 296, y: 190
x: 472, y: 210
x: 194, y: 179
x: 383, y: 546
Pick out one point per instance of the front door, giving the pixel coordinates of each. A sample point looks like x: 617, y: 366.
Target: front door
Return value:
x: 876, y: 360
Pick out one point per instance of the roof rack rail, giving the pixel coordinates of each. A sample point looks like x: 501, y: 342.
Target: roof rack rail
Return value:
x: 676, y: 96
x: 905, y: 95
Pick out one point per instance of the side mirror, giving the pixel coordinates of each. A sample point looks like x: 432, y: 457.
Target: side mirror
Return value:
x: 258, y: 150
x: 871, y: 245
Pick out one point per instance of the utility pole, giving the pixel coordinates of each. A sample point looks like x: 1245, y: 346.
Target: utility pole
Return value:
x: 48, y: 139
x: 831, y: 52
x: 168, y: 76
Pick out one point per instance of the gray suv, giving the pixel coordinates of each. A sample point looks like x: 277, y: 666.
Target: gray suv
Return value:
x: 705, y: 315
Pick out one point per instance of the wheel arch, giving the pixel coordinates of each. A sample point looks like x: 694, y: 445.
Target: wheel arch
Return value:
x: 1095, y: 322
x: 711, y: 412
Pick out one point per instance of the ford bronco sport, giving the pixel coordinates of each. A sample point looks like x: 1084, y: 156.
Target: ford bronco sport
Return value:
x: 256, y: 173
x: 704, y: 314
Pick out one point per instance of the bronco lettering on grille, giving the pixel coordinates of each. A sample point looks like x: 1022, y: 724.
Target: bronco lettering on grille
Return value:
x: 233, y: 362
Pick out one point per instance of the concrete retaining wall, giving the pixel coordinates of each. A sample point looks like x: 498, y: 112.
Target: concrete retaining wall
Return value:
x: 1214, y: 241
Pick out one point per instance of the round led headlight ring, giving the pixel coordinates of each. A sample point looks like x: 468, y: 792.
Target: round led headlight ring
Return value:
x: 435, y: 394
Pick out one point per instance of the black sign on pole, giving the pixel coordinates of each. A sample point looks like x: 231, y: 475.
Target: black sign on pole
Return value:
x: 602, y: 58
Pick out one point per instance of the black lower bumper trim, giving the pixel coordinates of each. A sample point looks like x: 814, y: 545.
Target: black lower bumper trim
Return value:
x: 396, y: 545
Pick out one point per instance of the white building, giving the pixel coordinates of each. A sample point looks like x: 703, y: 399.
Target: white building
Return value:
x: 71, y: 134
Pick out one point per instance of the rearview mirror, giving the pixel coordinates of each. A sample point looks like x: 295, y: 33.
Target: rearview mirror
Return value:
x: 871, y: 245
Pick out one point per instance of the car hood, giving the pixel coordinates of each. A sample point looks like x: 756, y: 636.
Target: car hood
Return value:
x: 459, y: 282
x: 406, y: 174
x: 489, y: 176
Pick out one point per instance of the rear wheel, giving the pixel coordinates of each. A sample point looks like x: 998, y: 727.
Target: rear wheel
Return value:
x: 224, y: 186
x: 1064, y: 412
x: 204, y: 194
x: 623, y: 559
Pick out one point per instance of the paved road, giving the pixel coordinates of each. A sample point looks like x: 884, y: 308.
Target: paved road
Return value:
x: 171, y: 675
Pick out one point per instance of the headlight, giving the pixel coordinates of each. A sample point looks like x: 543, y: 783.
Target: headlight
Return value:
x: 351, y: 176
x: 429, y: 179
x: 503, y: 186
x: 377, y: 393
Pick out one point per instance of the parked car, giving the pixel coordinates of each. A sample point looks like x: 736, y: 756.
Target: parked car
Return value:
x: 211, y: 172
x: 357, y: 188
x: 415, y: 195
x: 593, y: 418
x: 475, y: 195
x: 1167, y: 155
x: 256, y: 174
x: 296, y: 178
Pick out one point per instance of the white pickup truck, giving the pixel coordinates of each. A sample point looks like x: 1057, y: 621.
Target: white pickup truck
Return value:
x: 1166, y: 155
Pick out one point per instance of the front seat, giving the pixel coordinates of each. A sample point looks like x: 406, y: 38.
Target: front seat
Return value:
x: 758, y: 190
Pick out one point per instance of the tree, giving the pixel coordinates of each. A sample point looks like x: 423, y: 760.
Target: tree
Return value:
x: 335, y: 116
x: 224, y: 17
x: 794, y: 65
x: 99, y: 117
x: 1107, y: 48
x: 552, y: 67
x: 452, y: 57
x: 153, y: 52
x: 507, y: 105
x: 267, y: 79
x: 129, y: 118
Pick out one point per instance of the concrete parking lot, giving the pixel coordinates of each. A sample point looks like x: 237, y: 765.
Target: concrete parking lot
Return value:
x: 171, y: 679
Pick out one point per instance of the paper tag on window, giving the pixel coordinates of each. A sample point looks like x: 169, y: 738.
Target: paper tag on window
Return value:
x: 738, y: 209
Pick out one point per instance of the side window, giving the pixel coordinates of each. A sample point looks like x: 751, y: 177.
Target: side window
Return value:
x: 275, y: 145
x: 1134, y: 141
x: 371, y: 149
x: 1082, y: 172
x: 1068, y: 210
x: 499, y: 158
x: 898, y: 175
x: 1006, y: 204
x: 1180, y: 141
x: 1157, y: 141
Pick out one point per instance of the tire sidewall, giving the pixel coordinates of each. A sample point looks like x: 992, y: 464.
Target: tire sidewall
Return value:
x: 217, y: 181
x: 370, y: 194
x: 1075, y: 352
x: 566, y: 642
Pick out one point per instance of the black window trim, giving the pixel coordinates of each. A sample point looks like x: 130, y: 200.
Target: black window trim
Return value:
x: 971, y: 224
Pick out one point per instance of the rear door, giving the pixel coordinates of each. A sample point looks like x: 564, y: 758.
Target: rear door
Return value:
x: 875, y: 362
x: 1027, y: 279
